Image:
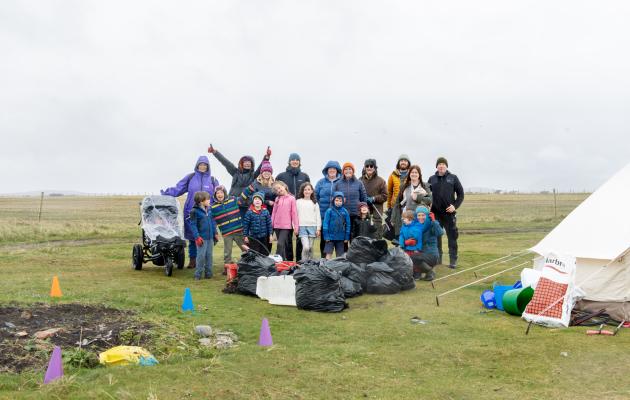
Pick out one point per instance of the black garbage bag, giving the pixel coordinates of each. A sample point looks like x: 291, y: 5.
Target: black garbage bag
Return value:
x: 402, y: 265
x: 381, y: 279
x: 318, y: 288
x: 251, y: 266
x: 365, y: 250
x: 353, y: 276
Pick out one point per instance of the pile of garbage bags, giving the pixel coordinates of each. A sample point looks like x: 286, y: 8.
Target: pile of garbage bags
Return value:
x: 324, y: 285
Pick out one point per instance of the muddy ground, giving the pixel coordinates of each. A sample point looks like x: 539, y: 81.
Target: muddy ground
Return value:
x: 97, y: 328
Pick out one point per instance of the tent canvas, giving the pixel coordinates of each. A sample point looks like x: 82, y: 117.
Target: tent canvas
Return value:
x: 597, y: 233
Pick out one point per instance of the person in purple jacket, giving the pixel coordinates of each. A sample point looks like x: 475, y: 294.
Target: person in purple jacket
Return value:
x: 199, y: 181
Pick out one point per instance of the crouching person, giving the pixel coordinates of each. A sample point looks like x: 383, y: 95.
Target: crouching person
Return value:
x: 205, y: 233
x: 430, y: 255
x: 227, y: 217
x: 257, y: 229
x: 410, y: 239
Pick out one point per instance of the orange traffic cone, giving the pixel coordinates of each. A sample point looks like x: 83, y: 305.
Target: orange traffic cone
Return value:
x: 55, y: 290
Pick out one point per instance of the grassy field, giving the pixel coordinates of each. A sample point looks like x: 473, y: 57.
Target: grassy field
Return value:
x: 370, y: 350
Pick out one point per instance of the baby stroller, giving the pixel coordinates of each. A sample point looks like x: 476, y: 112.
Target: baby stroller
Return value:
x: 162, y: 242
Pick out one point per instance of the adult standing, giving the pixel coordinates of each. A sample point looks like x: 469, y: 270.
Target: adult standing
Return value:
x: 263, y: 183
x: 448, y: 195
x: 414, y: 191
x: 395, y: 178
x: 376, y: 190
x: 294, y: 178
x: 324, y: 192
x: 199, y: 181
x: 243, y: 175
x: 353, y: 191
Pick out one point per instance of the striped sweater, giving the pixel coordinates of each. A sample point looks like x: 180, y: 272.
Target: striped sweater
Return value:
x: 227, y: 216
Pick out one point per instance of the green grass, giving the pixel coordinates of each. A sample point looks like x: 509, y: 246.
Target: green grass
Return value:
x: 370, y: 350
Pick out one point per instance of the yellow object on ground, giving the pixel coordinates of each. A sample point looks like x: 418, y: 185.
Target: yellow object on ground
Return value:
x: 125, y: 355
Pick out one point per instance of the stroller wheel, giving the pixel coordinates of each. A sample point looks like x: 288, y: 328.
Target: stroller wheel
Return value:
x: 168, y: 267
x: 181, y: 258
x: 136, y: 257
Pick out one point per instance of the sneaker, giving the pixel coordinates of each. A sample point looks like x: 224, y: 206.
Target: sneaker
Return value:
x: 452, y: 265
x: 416, y: 276
x: 208, y: 277
x: 197, y: 278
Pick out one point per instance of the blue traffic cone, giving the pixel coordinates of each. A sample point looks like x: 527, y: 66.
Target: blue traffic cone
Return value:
x: 187, y: 304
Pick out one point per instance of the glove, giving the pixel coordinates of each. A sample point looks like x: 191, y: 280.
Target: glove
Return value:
x: 268, y: 153
x: 199, y: 241
x: 370, y: 199
x: 411, y: 242
x: 211, y: 149
x: 432, y: 216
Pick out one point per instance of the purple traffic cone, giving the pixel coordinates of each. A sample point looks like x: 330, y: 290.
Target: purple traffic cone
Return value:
x: 55, y: 366
x: 265, y: 339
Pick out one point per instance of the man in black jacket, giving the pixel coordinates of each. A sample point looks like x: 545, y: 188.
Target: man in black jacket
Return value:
x: 448, y: 195
x: 294, y: 178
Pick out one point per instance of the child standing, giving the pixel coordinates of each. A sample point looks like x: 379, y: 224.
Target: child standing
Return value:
x: 227, y: 217
x: 309, y: 219
x: 284, y: 219
x: 410, y: 239
x: 205, y: 233
x: 336, y: 227
x: 257, y: 229
x: 363, y: 225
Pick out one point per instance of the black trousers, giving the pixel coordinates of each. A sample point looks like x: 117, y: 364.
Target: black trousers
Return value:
x: 298, y: 250
x: 449, y: 223
x: 285, y: 243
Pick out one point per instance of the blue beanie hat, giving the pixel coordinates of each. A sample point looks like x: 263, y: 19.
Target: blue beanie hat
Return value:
x: 260, y: 195
x: 294, y: 156
x: 422, y: 209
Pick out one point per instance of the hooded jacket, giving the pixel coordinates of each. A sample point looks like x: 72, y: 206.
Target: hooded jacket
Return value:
x: 336, y: 224
x: 411, y: 231
x: 354, y: 192
x: 257, y: 223
x: 444, y: 189
x: 201, y: 223
x: 226, y: 214
x: 294, y: 178
x: 432, y: 232
x: 324, y: 187
x: 284, y: 214
x: 241, y: 177
x: 191, y: 183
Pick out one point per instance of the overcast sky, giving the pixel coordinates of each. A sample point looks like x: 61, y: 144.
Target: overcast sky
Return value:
x: 123, y: 96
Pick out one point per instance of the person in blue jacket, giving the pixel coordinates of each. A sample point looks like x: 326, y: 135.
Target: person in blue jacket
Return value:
x: 430, y: 255
x: 336, y: 227
x: 353, y: 190
x: 257, y: 229
x: 204, y: 231
x: 324, y: 192
x: 198, y: 181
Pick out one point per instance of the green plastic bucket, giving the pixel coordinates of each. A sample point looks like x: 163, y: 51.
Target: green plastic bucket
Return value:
x: 515, y: 300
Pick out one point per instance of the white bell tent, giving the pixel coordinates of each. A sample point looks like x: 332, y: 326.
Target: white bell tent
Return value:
x: 597, y: 233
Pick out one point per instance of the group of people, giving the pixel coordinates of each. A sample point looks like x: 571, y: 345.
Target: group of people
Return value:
x: 259, y: 209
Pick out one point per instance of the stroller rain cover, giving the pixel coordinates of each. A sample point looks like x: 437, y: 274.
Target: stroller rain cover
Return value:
x: 161, y: 216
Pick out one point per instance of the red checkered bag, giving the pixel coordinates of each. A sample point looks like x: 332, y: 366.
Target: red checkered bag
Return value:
x: 554, y: 296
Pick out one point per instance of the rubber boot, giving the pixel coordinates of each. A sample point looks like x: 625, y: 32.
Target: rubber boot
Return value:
x: 429, y: 276
x: 192, y: 263
x: 453, y: 261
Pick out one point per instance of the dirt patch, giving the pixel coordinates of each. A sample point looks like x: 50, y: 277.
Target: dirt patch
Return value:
x: 97, y: 328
